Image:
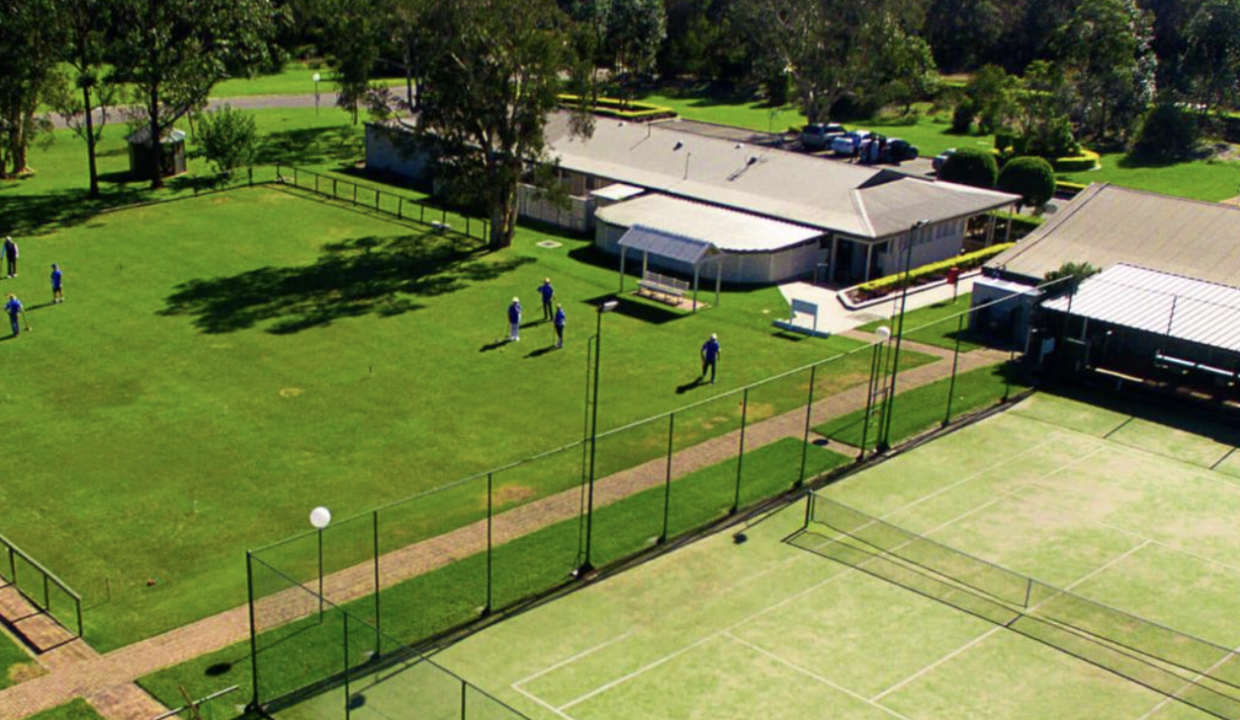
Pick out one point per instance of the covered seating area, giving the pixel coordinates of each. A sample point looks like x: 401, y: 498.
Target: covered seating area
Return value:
x: 670, y: 248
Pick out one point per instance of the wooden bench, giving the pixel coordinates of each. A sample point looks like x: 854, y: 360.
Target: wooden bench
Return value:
x: 663, y: 288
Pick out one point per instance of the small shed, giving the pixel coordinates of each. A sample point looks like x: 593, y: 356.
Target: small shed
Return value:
x: 140, y: 150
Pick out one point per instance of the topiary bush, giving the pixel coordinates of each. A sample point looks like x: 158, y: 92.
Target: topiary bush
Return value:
x: 970, y: 166
x: 962, y: 117
x: 1032, y: 178
x: 1087, y: 160
x: 1167, y: 133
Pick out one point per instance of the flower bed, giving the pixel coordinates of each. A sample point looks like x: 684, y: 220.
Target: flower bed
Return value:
x: 612, y: 107
x: 924, y: 275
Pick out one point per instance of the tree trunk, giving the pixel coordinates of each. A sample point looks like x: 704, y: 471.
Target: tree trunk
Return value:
x: 90, y: 141
x: 18, y: 145
x: 503, y: 215
x: 157, y: 147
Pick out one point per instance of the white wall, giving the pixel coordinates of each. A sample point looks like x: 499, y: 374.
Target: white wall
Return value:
x: 575, y: 217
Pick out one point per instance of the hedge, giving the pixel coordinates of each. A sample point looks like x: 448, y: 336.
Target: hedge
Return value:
x: 613, y: 107
x: 1087, y: 160
x: 964, y: 262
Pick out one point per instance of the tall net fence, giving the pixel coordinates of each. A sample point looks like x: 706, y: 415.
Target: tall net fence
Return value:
x: 1185, y: 668
x: 425, y: 569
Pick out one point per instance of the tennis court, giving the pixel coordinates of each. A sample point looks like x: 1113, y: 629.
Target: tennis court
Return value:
x: 1129, y: 533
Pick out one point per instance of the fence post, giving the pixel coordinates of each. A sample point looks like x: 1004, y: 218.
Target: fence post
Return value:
x: 354, y: 193
x: 377, y: 196
x: 47, y: 596
x: 490, y: 547
x: 316, y: 184
x: 667, y: 483
x: 378, y: 617
x: 78, y: 603
x: 951, y: 385
x: 809, y: 409
x: 464, y: 695
x: 740, y: 458
x: 295, y: 176
x: 400, y: 207
x: 250, y: 170
x: 279, y: 177
x: 249, y: 583
x: 443, y: 218
x: 12, y: 565
x: 335, y: 191
x: 422, y: 213
x: 347, y: 710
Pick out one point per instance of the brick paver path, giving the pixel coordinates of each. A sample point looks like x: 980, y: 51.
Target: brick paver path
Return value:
x: 74, y: 670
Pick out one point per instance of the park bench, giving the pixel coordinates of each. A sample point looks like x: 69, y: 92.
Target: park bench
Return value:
x: 663, y: 288
x: 440, y: 227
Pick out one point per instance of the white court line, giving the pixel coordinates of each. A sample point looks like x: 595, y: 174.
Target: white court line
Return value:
x: 571, y: 659
x: 1187, y: 685
x: 534, y: 698
x: 815, y: 676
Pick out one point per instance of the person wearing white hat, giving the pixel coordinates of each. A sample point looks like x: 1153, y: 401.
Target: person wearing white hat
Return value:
x: 514, y: 321
x: 710, y: 357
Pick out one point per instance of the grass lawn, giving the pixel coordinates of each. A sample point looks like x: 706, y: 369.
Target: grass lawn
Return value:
x: 304, y: 652
x: 1200, y: 179
x: 934, y: 325
x: 922, y: 408
x: 297, y: 78
x: 264, y: 346
x: 77, y: 710
x: 15, y: 662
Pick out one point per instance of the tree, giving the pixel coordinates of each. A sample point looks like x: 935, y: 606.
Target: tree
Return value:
x: 175, y: 51
x: 1106, y: 48
x: 962, y: 32
x: 1075, y: 274
x: 636, y: 30
x: 992, y: 94
x: 355, y: 31
x: 84, y: 25
x: 1211, y: 67
x: 30, y: 47
x: 1167, y: 134
x: 227, y: 138
x: 970, y: 166
x: 491, y: 76
x: 1032, y: 178
x: 830, y: 48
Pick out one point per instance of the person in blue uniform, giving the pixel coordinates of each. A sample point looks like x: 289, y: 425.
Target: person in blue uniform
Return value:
x: 58, y: 291
x: 10, y: 256
x: 547, y: 292
x: 514, y: 321
x: 15, y: 310
x: 559, y: 323
x: 710, y: 357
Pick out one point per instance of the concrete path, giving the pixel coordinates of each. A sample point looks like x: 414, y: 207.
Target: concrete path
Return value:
x: 834, y: 318
x: 74, y: 670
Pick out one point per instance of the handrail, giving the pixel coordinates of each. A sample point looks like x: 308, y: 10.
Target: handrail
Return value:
x: 14, y: 550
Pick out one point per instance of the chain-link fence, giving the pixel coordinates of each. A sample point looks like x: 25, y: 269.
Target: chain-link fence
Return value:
x: 416, y: 571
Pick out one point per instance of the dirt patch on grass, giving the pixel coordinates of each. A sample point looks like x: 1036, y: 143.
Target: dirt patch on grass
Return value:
x: 512, y: 494
x: 290, y: 392
x: 22, y: 672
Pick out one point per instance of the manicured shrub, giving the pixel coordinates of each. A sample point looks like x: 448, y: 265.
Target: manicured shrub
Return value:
x: 1032, y: 178
x: 970, y: 166
x: 964, y: 262
x: 1085, y: 161
x: 1167, y: 133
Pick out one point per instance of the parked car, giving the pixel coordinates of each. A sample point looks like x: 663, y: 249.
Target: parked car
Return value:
x: 941, y: 158
x: 898, y: 150
x: 818, y: 136
x: 848, y: 142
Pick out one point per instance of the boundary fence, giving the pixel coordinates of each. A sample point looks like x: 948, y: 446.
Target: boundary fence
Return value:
x: 1196, y: 672
x: 433, y: 566
x: 396, y: 205
x: 39, y: 586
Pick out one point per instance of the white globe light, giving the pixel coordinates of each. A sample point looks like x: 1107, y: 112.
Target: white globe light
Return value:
x: 317, y: 77
x: 320, y: 517
x: 883, y: 332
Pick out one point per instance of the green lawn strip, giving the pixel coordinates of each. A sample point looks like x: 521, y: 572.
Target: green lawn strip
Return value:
x: 296, y: 78
x: 12, y: 657
x: 936, y: 324
x: 922, y: 408
x: 78, y: 709
x: 311, y: 649
x: 1209, y: 180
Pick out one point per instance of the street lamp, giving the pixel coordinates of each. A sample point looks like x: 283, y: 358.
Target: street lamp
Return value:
x: 884, y: 333
x: 320, y: 518
x: 316, y: 77
x: 885, y: 436
x: 606, y: 307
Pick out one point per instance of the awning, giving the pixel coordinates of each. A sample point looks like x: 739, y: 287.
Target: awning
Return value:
x: 1178, y: 307
x: 727, y: 230
x: 666, y: 245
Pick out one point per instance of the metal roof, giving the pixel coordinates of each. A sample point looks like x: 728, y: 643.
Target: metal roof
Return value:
x: 666, y: 245
x: 726, y: 230
x: 1161, y: 303
x: 862, y: 201
x: 1107, y: 224
x: 142, y: 136
x: 617, y: 191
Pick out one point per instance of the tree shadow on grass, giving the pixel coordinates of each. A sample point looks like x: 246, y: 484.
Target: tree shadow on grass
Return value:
x: 310, y: 146
x: 352, y: 278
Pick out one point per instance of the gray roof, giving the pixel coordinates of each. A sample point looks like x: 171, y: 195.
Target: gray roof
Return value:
x: 1108, y: 224
x: 727, y: 230
x: 667, y: 245
x: 142, y: 136
x: 858, y: 200
x: 1177, y: 307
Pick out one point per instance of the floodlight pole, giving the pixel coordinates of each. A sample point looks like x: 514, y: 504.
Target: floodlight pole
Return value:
x: 871, y: 388
x: 586, y: 565
x: 885, y: 436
